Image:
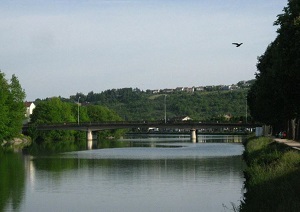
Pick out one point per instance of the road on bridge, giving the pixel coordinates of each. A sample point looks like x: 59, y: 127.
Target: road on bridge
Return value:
x: 127, y: 125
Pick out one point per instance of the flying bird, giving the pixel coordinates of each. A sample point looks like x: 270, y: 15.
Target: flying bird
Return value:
x: 237, y: 44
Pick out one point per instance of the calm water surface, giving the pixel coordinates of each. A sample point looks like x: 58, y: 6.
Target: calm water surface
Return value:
x: 158, y: 173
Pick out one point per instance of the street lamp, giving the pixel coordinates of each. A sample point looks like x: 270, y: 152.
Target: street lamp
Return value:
x: 165, y: 110
x: 246, y: 111
x: 78, y: 110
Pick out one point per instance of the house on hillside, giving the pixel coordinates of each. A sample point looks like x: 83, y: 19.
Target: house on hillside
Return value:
x: 199, y: 88
x: 209, y: 87
x: 29, y: 109
x: 155, y: 91
x: 167, y: 90
x: 180, y: 118
x: 189, y: 90
x: 178, y: 89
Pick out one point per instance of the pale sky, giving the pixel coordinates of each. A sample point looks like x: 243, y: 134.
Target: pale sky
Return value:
x: 61, y: 47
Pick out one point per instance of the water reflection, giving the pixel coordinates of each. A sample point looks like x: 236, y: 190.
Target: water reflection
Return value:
x: 139, y: 185
x: 215, y: 166
x: 158, y: 173
x: 12, y: 181
x: 92, y: 144
x: 221, y: 138
x: 153, y: 139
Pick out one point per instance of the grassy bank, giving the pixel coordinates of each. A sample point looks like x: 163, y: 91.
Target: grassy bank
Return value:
x: 272, y: 177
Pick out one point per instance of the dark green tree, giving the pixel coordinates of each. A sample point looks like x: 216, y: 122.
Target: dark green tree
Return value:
x: 275, y: 97
x: 97, y: 113
x: 4, y: 108
x: 12, y: 108
x: 289, y: 50
x: 16, y: 106
x: 55, y: 111
x: 265, y: 98
x: 52, y: 111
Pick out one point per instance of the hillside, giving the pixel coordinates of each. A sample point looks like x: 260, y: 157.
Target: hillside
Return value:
x: 134, y: 104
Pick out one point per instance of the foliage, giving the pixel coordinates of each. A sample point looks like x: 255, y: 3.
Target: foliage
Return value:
x: 54, y: 110
x: 272, y: 177
x: 50, y: 112
x: 12, y: 108
x: 136, y: 105
x: 275, y: 96
x: 99, y: 113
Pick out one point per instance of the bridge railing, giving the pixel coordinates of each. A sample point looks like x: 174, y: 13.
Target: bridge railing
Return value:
x: 127, y: 124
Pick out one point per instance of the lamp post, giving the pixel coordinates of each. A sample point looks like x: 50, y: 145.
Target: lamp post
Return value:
x: 246, y: 111
x: 78, y: 110
x: 165, y: 109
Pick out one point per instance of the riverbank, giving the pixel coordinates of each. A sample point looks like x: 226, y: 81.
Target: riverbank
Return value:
x: 16, y: 144
x: 272, y: 176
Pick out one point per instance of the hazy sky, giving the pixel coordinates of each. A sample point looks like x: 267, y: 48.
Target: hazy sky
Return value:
x: 61, y: 47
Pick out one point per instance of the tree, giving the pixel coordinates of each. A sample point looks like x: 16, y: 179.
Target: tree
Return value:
x: 275, y: 96
x: 52, y: 111
x: 16, y: 105
x: 4, y: 108
x: 12, y: 108
x: 289, y: 49
x: 99, y: 113
x: 265, y: 97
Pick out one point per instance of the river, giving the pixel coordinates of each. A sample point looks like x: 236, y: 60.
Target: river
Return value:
x: 136, y: 173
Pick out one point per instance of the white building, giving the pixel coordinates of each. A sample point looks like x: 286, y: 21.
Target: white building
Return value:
x: 29, y: 109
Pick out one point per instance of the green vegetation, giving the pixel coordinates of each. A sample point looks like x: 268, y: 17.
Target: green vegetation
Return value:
x: 12, y: 108
x: 274, y: 98
x: 136, y: 105
x: 272, y: 175
x: 12, y: 181
x: 53, y: 111
x: 54, y: 148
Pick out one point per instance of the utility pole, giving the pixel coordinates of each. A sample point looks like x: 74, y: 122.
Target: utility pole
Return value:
x: 246, y: 109
x: 78, y: 110
x: 165, y: 109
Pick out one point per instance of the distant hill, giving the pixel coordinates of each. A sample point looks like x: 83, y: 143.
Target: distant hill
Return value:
x: 208, y: 104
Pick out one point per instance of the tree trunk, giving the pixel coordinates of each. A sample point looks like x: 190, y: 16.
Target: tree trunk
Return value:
x: 288, y: 129
x: 291, y: 129
x: 293, y: 126
x: 297, y: 130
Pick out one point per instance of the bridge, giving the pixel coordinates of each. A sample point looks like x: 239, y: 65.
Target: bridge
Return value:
x: 90, y: 128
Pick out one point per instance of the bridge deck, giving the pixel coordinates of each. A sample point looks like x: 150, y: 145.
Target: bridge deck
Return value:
x: 124, y: 125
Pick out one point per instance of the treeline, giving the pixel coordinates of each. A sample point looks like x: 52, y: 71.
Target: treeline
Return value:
x: 133, y: 104
x: 274, y: 98
x: 54, y: 110
x: 12, y: 108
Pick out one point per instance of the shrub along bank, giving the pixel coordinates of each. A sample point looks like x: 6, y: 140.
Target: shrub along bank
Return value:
x: 272, y: 176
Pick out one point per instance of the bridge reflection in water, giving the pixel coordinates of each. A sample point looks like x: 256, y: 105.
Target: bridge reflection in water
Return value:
x: 91, y: 144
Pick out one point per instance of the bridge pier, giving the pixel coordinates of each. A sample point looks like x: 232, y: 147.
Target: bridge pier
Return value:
x: 90, y: 135
x: 193, y: 135
x: 91, y: 139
